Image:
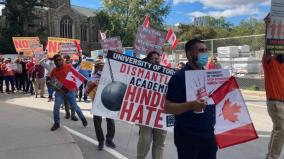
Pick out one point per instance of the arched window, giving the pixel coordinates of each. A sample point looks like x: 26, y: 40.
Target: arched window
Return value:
x: 84, y: 33
x: 95, y: 34
x: 66, y: 27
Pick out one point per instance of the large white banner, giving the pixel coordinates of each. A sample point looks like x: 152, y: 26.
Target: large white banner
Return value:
x: 202, y: 83
x: 134, y: 91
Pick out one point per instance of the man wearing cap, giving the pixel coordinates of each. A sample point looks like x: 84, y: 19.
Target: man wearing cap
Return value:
x: 91, y: 89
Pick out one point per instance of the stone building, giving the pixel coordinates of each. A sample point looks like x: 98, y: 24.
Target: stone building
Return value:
x: 61, y: 19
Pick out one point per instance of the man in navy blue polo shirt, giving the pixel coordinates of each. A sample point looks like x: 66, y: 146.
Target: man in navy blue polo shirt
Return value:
x: 193, y: 132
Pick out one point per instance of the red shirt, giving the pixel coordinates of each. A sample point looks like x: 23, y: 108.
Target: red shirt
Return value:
x: 60, y: 74
x: 29, y: 67
x: 273, y: 78
x: 6, y: 71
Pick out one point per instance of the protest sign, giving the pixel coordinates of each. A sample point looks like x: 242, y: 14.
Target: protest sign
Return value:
x: 133, y: 91
x: 26, y: 44
x: 53, y: 45
x: 12, y: 66
x: 68, y: 48
x: 38, y: 55
x: 277, y: 8
x: 113, y: 44
x: 86, y: 65
x: 201, y: 83
x: 147, y: 40
x: 275, y: 31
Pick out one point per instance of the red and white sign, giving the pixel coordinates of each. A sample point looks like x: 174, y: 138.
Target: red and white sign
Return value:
x: 233, y: 123
x: 171, y: 38
x: 146, y: 22
x: 201, y: 83
x: 75, y: 77
x: 12, y: 66
x: 165, y: 61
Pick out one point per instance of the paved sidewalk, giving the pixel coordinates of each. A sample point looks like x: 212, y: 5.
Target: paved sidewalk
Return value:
x: 25, y: 134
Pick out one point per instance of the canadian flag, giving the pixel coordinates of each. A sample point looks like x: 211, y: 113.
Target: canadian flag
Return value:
x: 74, y: 77
x: 233, y: 123
x: 78, y: 46
x: 103, y: 35
x: 171, y: 38
x: 165, y: 61
x: 146, y: 22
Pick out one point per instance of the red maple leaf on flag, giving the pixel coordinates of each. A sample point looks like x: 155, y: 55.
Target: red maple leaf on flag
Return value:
x: 229, y: 111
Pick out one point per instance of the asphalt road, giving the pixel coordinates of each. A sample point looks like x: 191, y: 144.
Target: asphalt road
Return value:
x: 127, y: 135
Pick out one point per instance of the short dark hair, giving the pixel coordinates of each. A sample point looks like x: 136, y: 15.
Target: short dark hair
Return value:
x: 56, y: 56
x: 152, y: 52
x: 67, y: 57
x: 191, y: 43
x: 181, y: 63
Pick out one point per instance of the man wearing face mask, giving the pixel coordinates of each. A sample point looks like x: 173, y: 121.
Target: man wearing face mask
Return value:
x: 147, y: 135
x: 193, y: 133
x: 91, y: 89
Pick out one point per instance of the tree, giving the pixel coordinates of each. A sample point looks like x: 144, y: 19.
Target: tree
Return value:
x: 20, y: 15
x: 127, y: 15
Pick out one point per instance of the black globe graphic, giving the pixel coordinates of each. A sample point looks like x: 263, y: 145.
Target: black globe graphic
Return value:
x: 112, y: 95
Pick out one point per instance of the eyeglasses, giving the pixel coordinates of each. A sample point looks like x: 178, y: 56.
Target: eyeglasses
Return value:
x: 203, y: 50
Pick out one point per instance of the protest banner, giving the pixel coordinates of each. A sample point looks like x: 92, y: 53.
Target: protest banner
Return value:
x: 275, y: 31
x: 68, y: 48
x: 26, y: 44
x: 113, y: 44
x: 133, y: 91
x: 201, y: 83
x: 147, y: 40
x: 53, y: 45
x: 86, y: 65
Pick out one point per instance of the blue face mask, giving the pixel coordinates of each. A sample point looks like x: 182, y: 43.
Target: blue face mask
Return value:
x: 202, y: 59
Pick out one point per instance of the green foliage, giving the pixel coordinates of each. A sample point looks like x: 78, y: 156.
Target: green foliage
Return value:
x: 219, y: 28
x: 19, y: 16
x: 126, y: 15
x: 253, y: 88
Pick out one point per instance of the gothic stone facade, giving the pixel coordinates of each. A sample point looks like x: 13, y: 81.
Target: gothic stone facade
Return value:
x: 67, y: 21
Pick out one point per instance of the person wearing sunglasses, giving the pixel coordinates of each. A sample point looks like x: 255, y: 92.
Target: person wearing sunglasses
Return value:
x: 213, y: 63
x: 67, y: 91
x: 193, y: 133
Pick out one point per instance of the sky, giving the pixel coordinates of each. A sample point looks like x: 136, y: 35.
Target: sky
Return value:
x: 183, y: 11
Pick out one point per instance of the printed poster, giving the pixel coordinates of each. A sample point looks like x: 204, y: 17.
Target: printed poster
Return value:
x: 53, y: 45
x: 147, y: 40
x: 26, y: 45
x: 200, y: 84
x: 275, y: 31
x: 68, y: 48
x: 133, y: 91
x: 113, y: 44
x: 86, y: 65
